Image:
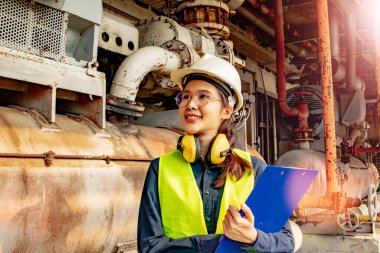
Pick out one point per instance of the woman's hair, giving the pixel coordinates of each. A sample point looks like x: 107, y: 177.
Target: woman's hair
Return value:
x: 233, y: 165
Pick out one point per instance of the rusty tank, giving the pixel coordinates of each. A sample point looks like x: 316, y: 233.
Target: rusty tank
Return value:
x: 71, y: 189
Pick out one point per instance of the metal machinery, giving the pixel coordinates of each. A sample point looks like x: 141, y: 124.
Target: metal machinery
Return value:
x: 87, y: 102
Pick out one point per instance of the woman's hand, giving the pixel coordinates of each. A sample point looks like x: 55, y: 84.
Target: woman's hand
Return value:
x: 240, y: 228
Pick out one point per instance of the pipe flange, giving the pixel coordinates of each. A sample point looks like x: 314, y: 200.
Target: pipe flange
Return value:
x: 187, y: 54
x: 303, y: 134
x: 124, y: 106
x: 157, y: 30
x: 199, y: 3
x: 207, y: 14
x: 223, y: 49
x: 213, y: 28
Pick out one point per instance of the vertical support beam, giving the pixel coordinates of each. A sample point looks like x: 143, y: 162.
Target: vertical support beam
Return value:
x: 327, y: 96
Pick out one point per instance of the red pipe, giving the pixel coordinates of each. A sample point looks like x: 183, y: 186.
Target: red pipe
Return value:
x: 280, y: 60
x: 268, y: 12
x: 358, y: 150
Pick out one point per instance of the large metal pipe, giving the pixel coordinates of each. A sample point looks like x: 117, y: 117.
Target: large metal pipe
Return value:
x: 280, y: 60
x: 338, y: 69
x: 351, y: 52
x: 134, y: 68
x: 327, y: 96
x: 298, y: 51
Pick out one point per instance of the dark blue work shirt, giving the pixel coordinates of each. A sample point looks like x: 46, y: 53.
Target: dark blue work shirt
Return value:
x: 151, y: 236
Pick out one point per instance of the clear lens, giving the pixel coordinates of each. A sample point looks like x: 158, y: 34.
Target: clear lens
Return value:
x: 201, y: 98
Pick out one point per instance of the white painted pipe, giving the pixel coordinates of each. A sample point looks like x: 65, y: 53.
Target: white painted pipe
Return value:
x: 134, y: 68
x: 235, y: 4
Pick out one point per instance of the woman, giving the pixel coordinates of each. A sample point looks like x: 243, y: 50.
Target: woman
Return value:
x: 193, y: 195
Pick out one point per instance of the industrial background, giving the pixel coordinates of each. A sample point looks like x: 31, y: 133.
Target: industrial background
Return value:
x: 87, y: 102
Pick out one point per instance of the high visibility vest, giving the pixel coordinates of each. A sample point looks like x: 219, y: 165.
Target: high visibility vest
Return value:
x: 180, y: 200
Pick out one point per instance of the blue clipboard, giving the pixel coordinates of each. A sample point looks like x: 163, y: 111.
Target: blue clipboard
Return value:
x: 272, y: 201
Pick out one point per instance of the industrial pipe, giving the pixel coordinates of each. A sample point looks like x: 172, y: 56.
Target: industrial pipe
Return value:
x: 298, y: 51
x: 327, y: 96
x: 280, y: 60
x: 338, y: 69
x: 351, y: 52
x: 268, y: 12
x: 235, y: 4
x: 133, y: 69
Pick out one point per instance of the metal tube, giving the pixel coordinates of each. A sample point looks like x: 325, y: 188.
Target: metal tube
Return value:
x: 351, y: 52
x: 269, y: 12
x: 327, y: 96
x: 134, y: 68
x: 84, y: 157
x: 299, y: 51
x: 280, y: 60
x: 235, y: 4
x: 334, y: 33
x: 274, y: 131
x: 339, y: 71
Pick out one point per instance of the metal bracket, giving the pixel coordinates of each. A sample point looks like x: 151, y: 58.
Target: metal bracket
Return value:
x: 99, y: 132
x: 45, y: 125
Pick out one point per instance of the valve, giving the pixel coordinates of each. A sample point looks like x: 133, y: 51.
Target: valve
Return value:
x: 303, y: 132
x: 345, y: 151
x: 348, y: 221
x: 372, y: 202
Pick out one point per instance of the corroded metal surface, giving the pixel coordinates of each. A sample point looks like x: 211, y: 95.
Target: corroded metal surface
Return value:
x: 74, y: 205
x: 328, y: 96
x: 210, y: 15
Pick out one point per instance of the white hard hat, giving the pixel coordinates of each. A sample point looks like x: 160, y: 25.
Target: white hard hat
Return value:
x: 218, y: 70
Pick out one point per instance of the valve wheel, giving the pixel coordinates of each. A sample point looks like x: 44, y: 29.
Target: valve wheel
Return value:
x: 372, y: 202
x: 348, y: 221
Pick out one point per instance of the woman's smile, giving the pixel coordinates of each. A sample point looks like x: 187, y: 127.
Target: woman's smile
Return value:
x: 191, y: 118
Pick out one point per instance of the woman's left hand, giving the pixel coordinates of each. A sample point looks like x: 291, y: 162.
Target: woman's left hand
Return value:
x: 240, y: 228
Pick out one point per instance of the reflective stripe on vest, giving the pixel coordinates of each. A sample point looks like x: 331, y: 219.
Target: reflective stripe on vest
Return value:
x: 180, y: 200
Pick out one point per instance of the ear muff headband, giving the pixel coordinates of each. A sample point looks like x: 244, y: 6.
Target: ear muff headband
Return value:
x: 219, y: 149
x: 190, y: 147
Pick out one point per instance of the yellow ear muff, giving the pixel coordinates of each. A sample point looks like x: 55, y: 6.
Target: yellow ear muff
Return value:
x: 190, y: 148
x: 220, y: 148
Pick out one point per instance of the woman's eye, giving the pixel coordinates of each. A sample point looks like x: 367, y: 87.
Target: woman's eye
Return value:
x: 203, y: 96
x: 186, y: 97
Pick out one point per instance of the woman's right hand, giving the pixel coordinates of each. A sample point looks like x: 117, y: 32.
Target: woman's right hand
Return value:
x: 240, y: 228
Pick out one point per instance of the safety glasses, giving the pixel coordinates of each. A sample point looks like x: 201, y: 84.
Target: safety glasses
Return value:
x: 201, y: 97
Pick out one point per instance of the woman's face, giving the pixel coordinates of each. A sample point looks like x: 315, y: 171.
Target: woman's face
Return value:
x: 206, y: 119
